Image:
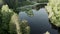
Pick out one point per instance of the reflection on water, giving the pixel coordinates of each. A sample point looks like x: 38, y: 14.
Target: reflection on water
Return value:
x: 39, y: 22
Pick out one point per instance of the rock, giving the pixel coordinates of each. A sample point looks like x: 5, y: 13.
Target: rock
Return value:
x: 47, y: 32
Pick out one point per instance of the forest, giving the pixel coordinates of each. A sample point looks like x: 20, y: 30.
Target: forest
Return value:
x: 11, y: 11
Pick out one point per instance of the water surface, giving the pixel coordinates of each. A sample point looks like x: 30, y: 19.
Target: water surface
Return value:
x: 39, y: 22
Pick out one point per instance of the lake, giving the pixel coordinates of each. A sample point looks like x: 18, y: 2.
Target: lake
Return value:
x: 39, y: 23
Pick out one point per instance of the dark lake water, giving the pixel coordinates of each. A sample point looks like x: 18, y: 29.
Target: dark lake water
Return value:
x: 39, y: 22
